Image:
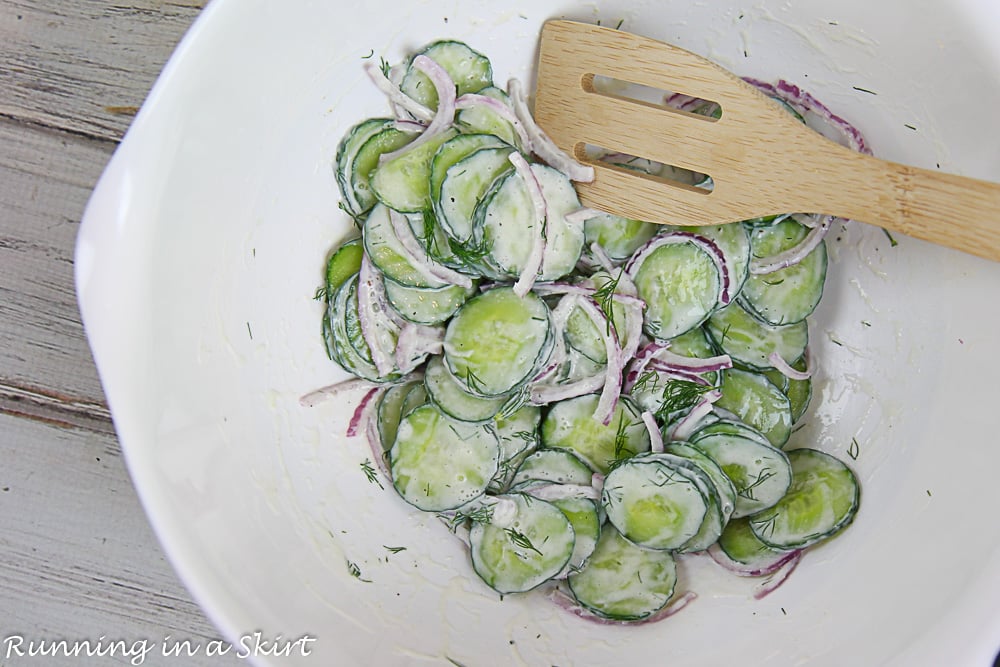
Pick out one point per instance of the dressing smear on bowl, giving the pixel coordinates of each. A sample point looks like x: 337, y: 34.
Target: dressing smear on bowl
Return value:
x: 590, y: 403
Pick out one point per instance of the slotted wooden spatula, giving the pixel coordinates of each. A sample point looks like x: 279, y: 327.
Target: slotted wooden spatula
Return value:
x: 761, y: 159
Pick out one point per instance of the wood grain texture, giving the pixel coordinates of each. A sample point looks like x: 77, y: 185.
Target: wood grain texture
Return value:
x: 85, y: 65
x: 79, y: 558
x: 761, y: 159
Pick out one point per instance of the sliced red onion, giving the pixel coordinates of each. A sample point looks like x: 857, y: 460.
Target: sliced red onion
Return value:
x: 396, y: 96
x: 683, y: 429
x: 377, y: 446
x: 415, y: 342
x: 778, y: 578
x: 667, y: 361
x: 567, y: 603
x: 761, y: 568
x: 655, y: 436
x: 378, y: 330
x: 708, y: 245
x: 615, y: 364
x: 786, y: 369
x: 633, y: 327
x: 429, y: 268
x: 471, y: 100
x: 534, y: 262
x: 543, y: 394
x: 668, y: 373
x: 792, y: 256
x: 539, y: 142
x: 445, y: 114
x: 603, y: 258
x: 408, y: 126
x: 639, y: 363
x: 314, y: 398
x: 581, y: 215
x: 360, y: 415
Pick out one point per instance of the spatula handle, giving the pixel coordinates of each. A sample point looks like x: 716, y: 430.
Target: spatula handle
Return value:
x: 953, y: 211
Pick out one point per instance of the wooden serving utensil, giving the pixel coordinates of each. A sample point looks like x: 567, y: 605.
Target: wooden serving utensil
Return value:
x: 761, y: 159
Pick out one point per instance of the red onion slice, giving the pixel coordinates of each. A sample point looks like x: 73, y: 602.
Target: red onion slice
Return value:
x: 683, y: 429
x: 779, y: 577
x: 396, y: 96
x: 792, y: 256
x: 615, y: 364
x: 710, y: 247
x: 539, y: 224
x: 563, y: 491
x: 543, y: 394
x: 361, y: 412
x: 314, y: 398
x: 761, y: 568
x: 377, y: 446
x: 786, y: 369
x: 415, y: 342
x: 378, y: 330
x: 655, y: 436
x: 539, y: 142
x: 445, y: 114
x: 429, y: 269
x: 667, y: 361
x: 472, y: 100
x: 581, y: 215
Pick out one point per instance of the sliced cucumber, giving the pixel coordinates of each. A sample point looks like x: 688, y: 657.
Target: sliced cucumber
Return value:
x: 760, y: 473
x: 653, y: 503
x: 791, y: 294
x: 723, y: 485
x: 696, y: 345
x: 570, y: 425
x: 496, y: 340
x: 823, y: 498
x: 480, y: 119
x: 396, y: 403
x: 518, y: 434
x: 387, y: 253
x: 756, y: 401
x: 347, y: 150
x: 357, y: 172
x: 585, y: 517
x: 505, y: 222
x: 734, y: 242
x: 464, y: 185
x: 622, y: 581
x: 740, y: 544
x: 426, y: 305
x: 345, y: 341
x: 343, y: 263
x: 750, y: 341
x: 557, y: 466
x: 403, y: 183
x: 680, y: 283
x: 439, y: 463
x: 453, y: 399
x: 523, y: 548
x: 454, y: 150
x: 799, y: 392
x: 731, y: 427
x: 470, y: 70
x: 618, y: 236
x: 581, y: 331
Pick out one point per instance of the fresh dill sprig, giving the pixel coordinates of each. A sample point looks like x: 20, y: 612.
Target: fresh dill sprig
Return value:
x: 322, y: 293
x: 680, y: 395
x: 383, y: 65
x: 647, y: 378
x: 394, y: 550
x: 892, y: 242
x: 854, y: 449
x: 621, y: 436
x: 370, y: 473
x: 473, y: 381
x: 359, y: 220
x: 470, y: 252
x: 481, y: 514
x: 765, y: 526
x: 355, y: 572
x: 521, y: 540
x: 605, y: 299
x: 762, y: 476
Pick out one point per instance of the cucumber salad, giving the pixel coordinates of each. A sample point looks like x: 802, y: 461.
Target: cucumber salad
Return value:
x: 586, y: 401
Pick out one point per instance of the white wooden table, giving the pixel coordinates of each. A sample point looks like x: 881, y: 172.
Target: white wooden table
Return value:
x: 79, y: 560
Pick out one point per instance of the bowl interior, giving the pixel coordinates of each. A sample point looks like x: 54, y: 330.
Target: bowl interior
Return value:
x: 204, y: 243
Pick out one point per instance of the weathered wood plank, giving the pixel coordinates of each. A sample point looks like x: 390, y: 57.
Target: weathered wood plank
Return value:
x: 46, y: 177
x: 82, y: 65
x: 80, y: 560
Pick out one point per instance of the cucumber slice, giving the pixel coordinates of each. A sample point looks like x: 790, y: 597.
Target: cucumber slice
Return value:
x: 346, y: 341
x: 742, y: 546
x: 731, y: 427
x: 734, y: 242
x: 715, y: 515
x: 397, y: 402
x: 791, y: 294
x: 464, y: 185
x: 823, y: 498
x: 403, y: 183
x: 518, y: 434
x: 557, y: 466
x: 584, y: 516
x: 618, y: 236
x: 753, y: 398
x: 679, y: 281
x: 570, y: 425
x: 505, y: 223
x: 750, y: 341
x: 622, y: 581
x: 451, y: 397
x: 439, y: 463
x: 724, y: 486
x: 343, y: 263
x: 454, y: 150
x: 356, y: 200
x: 426, y: 305
x: 470, y: 70
x: 761, y: 473
x: 496, y: 341
x: 520, y: 550
x: 799, y: 392
x: 480, y: 119
x: 695, y: 344
x: 582, y: 333
x: 654, y: 503
x: 387, y: 253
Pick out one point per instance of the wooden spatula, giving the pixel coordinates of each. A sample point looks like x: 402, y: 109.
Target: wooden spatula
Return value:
x: 761, y: 159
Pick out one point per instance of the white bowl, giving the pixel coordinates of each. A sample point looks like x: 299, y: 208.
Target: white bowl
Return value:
x: 204, y: 241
